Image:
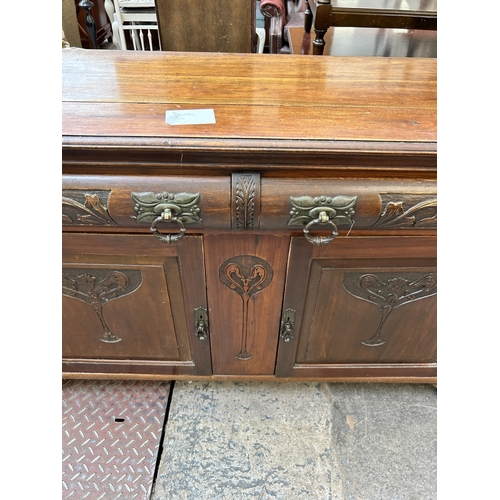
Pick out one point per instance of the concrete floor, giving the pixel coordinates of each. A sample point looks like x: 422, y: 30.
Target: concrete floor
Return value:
x: 256, y: 440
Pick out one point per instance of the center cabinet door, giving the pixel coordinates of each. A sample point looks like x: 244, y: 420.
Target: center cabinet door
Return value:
x: 133, y: 305
x: 245, y: 278
x: 360, y: 307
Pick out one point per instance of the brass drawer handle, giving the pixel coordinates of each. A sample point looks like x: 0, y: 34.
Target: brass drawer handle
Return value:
x: 321, y: 240
x: 333, y: 210
x: 181, y: 208
x: 166, y: 215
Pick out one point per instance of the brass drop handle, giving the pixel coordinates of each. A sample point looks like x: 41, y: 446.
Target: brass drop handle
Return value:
x: 166, y: 215
x: 334, y: 210
x: 320, y: 240
x: 154, y: 208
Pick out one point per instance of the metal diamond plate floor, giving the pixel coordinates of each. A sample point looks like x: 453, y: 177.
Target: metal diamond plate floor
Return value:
x: 224, y: 440
x: 111, y: 435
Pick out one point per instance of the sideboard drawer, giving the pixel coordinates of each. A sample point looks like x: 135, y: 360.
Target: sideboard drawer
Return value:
x: 136, y: 201
x: 378, y: 204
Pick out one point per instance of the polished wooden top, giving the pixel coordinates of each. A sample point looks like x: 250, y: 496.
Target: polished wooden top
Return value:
x: 125, y: 94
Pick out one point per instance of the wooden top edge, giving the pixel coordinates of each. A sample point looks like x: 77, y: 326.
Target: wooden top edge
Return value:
x: 249, y: 145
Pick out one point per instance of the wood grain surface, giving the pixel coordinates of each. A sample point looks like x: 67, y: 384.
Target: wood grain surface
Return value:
x: 253, y: 96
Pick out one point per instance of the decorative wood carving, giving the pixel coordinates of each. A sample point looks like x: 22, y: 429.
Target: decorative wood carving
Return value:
x: 97, y: 287
x: 408, y: 210
x: 389, y: 292
x: 86, y: 208
x: 246, y: 201
x: 246, y: 275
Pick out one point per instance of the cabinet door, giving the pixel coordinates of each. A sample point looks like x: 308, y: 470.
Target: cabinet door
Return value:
x: 360, y: 307
x: 245, y: 276
x: 129, y: 305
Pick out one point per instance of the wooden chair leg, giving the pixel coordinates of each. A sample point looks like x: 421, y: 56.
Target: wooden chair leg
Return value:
x: 308, y: 18
x: 319, y: 42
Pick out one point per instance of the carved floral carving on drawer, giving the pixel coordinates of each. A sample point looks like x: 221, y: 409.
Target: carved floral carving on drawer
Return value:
x: 86, y: 208
x: 408, y: 210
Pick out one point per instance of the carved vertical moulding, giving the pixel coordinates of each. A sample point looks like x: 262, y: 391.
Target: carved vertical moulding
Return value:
x: 389, y: 292
x: 408, y: 210
x: 97, y: 287
x: 246, y: 275
x: 245, y: 201
x: 86, y: 208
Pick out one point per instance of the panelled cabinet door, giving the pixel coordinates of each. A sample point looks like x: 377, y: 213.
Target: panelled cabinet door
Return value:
x: 134, y: 305
x: 360, y: 307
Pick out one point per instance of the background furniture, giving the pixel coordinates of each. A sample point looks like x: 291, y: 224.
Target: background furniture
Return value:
x: 102, y: 24
x: 367, y: 42
x: 407, y: 14
x: 210, y: 250
x: 373, y: 15
x: 208, y: 26
x: 135, y: 25
x: 281, y: 14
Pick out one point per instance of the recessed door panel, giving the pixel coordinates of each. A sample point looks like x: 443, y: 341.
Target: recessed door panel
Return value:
x: 129, y: 304
x: 362, y: 306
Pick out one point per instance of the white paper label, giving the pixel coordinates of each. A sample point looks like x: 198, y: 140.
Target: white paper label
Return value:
x: 190, y: 117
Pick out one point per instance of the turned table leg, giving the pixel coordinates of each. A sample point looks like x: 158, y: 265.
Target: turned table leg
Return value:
x: 320, y: 21
x: 319, y: 42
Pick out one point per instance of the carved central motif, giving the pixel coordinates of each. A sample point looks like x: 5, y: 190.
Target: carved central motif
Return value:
x: 389, y: 292
x: 246, y: 275
x: 97, y: 287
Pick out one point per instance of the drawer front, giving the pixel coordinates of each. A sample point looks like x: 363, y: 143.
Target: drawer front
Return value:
x: 248, y: 201
x: 135, y: 202
x: 376, y: 204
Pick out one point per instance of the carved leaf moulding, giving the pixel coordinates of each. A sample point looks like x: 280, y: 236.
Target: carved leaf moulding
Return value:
x: 245, y: 202
x: 408, y: 210
x: 86, y: 208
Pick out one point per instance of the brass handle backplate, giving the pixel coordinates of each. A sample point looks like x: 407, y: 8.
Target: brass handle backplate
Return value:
x: 181, y: 208
x: 322, y: 210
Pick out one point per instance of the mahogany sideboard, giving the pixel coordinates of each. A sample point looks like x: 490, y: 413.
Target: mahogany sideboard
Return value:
x: 292, y: 237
